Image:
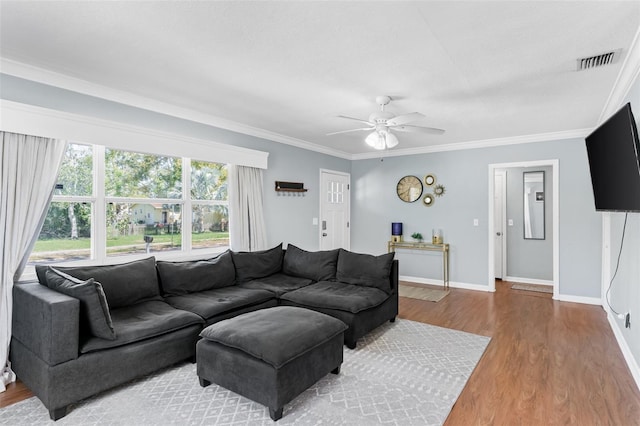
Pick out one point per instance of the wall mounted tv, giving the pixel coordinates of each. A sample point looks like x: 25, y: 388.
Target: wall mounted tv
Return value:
x: 613, y: 150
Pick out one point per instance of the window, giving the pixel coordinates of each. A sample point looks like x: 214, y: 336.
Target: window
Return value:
x: 140, y: 204
x: 210, y: 206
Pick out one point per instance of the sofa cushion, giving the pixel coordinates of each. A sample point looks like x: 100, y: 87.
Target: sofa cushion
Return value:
x: 315, y: 265
x: 365, y: 269
x: 277, y: 283
x: 124, y: 284
x: 257, y: 264
x: 178, y: 278
x: 218, y: 301
x: 275, y: 335
x: 337, y: 295
x: 94, y: 309
x: 142, y: 321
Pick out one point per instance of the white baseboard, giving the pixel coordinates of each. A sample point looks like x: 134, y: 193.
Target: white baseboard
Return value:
x: 529, y: 281
x: 624, y: 347
x: 466, y: 286
x: 579, y: 299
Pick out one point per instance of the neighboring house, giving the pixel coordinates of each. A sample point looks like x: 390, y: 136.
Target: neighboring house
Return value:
x: 153, y: 213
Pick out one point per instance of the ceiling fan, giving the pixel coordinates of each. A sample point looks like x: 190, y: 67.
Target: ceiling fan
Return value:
x: 381, y: 123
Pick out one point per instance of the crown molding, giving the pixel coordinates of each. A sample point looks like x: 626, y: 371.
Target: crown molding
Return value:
x: 40, y: 75
x: 486, y: 143
x: 626, y: 78
x: 51, y: 78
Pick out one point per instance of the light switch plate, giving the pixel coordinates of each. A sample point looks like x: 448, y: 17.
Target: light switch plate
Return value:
x: 510, y: 222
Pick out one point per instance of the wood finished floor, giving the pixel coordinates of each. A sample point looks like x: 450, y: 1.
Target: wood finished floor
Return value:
x: 548, y: 363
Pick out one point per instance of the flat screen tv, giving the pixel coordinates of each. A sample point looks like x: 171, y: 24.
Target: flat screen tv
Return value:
x: 613, y: 150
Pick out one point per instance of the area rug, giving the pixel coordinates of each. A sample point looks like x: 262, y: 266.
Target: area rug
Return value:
x: 422, y: 293
x: 402, y: 373
x: 533, y: 287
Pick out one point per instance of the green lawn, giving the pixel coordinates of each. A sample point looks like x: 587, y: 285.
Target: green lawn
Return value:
x: 65, y: 244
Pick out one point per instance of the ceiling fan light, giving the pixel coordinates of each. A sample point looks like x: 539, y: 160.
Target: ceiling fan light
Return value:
x: 372, y: 139
x: 391, y: 140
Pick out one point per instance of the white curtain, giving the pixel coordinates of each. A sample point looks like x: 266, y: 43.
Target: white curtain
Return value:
x: 28, y: 169
x: 247, y: 230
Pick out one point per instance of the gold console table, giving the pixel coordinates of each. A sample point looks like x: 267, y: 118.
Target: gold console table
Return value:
x: 443, y: 248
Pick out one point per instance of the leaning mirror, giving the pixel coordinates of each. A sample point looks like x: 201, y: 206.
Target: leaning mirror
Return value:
x: 533, y: 205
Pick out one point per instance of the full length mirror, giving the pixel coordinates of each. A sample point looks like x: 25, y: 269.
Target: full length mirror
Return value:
x: 533, y: 205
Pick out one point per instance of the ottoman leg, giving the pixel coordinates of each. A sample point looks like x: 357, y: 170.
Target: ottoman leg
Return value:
x: 336, y: 370
x: 204, y: 382
x: 275, y: 414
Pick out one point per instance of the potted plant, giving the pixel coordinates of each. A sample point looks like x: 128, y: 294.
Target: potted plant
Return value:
x: 417, y: 236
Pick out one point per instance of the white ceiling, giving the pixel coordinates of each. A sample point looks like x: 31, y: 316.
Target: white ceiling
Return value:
x: 481, y: 70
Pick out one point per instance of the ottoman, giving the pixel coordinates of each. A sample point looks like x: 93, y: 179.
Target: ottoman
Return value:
x: 272, y: 355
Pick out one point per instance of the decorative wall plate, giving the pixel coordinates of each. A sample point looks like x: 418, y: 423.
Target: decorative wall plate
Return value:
x: 429, y: 179
x: 439, y: 190
x: 428, y: 200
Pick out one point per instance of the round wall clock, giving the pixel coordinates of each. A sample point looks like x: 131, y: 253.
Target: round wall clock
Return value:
x: 409, y: 189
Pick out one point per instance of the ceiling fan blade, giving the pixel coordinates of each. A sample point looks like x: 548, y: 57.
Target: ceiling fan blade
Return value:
x: 355, y: 119
x: 351, y: 130
x: 418, y: 129
x: 405, y: 118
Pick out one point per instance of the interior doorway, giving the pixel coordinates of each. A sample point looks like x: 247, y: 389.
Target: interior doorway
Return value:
x: 494, y: 228
x: 499, y: 223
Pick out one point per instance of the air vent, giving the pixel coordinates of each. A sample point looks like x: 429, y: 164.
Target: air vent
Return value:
x: 598, y: 60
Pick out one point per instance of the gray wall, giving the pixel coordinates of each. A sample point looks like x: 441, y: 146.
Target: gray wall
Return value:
x: 528, y: 258
x: 465, y: 174
x: 374, y: 202
x: 625, y: 290
x: 289, y: 219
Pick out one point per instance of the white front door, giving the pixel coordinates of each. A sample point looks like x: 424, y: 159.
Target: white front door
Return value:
x: 335, y: 202
x: 499, y: 210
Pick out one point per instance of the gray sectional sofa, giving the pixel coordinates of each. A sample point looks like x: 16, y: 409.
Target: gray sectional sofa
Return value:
x: 81, y: 330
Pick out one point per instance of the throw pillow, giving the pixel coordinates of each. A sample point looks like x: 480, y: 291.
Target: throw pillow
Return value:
x: 178, y: 278
x: 124, y: 284
x: 257, y: 264
x: 314, y: 265
x: 94, y: 309
x: 365, y: 269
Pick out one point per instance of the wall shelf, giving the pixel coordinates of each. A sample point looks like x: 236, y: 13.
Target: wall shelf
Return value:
x: 282, y: 186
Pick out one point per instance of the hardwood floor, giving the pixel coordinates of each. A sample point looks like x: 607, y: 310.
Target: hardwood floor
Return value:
x: 15, y: 392
x: 548, y: 363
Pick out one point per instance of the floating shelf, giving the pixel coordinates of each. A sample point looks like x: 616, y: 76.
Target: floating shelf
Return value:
x: 290, y: 186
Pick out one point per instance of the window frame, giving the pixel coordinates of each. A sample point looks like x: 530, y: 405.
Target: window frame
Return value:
x: 99, y: 202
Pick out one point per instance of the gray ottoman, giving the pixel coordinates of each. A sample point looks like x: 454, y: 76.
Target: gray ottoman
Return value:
x: 271, y: 355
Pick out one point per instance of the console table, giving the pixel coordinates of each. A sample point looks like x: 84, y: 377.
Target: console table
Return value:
x: 442, y: 248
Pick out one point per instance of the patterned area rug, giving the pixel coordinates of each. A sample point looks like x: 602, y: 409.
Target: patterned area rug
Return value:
x: 422, y: 293
x: 403, y: 373
x: 533, y: 287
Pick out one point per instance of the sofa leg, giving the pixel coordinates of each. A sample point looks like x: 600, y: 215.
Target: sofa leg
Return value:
x: 336, y: 370
x: 204, y: 382
x: 276, y: 414
x: 58, y: 413
x: 350, y: 345
x: 392, y: 319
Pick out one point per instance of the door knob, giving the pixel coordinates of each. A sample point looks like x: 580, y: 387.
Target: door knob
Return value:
x: 498, y: 233
x: 324, y: 234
